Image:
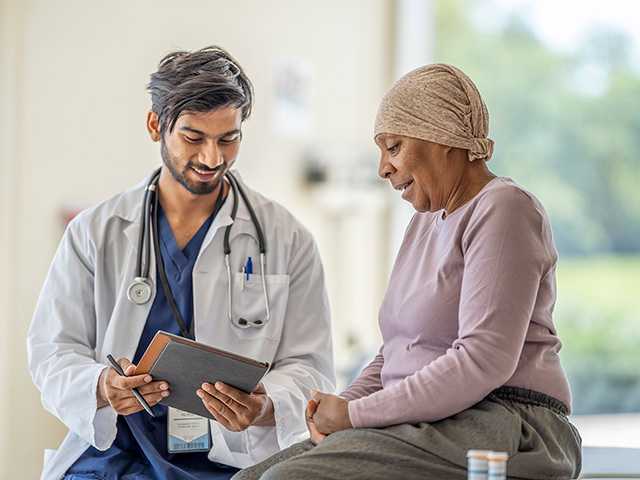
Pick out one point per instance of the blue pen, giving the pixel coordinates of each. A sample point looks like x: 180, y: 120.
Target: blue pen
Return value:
x: 248, y: 268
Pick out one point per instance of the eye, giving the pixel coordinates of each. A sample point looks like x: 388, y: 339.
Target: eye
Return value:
x: 393, y: 149
x: 192, y: 139
x: 236, y: 137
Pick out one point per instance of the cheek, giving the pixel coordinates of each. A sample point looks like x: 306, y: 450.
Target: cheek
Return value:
x: 230, y: 152
x: 177, y: 150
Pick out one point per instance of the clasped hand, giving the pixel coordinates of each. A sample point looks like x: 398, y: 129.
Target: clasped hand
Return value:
x: 325, y: 415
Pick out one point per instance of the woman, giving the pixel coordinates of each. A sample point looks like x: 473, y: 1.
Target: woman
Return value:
x: 470, y: 354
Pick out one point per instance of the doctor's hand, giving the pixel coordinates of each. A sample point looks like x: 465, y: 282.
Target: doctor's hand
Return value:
x: 331, y: 414
x: 236, y: 410
x: 115, y: 390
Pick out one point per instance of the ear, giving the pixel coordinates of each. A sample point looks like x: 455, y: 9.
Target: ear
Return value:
x: 153, y: 126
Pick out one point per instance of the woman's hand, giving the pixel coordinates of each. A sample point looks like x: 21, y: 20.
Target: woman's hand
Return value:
x: 315, y: 436
x: 331, y: 413
x: 236, y: 410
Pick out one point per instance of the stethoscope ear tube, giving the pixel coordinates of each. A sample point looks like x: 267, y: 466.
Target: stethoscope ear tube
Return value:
x: 144, y: 244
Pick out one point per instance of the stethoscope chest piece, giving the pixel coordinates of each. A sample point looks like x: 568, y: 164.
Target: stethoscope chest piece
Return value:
x: 139, y: 291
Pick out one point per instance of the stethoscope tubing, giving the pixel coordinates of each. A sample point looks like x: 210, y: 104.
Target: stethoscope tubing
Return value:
x: 139, y: 291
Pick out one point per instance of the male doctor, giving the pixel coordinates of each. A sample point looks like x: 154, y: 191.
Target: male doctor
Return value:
x: 89, y: 307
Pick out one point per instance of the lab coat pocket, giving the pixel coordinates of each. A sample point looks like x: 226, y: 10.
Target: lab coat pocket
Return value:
x: 252, y: 318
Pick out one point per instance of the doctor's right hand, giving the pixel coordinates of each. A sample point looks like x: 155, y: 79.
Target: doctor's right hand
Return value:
x: 115, y: 390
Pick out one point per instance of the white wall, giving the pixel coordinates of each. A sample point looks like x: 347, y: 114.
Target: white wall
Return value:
x: 74, y: 74
x: 10, y: 21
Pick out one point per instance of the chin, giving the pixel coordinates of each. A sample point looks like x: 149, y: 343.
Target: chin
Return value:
x: 420, y: 207
x: 201, y: 188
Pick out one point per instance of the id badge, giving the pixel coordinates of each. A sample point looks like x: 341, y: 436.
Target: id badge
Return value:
x: 187, y: 432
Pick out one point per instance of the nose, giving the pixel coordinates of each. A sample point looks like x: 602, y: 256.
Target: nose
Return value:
x: 211, y: 156
x: 385, y: 169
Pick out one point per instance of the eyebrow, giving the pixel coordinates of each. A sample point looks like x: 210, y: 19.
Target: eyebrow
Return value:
x: 200, y: 132
x: 380, y: 139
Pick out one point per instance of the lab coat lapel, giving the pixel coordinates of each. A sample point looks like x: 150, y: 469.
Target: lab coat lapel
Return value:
x: 128, y: 319
x: 242, y: 224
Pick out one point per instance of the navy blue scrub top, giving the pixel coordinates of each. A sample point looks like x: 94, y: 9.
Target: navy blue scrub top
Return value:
x: 140, y: 448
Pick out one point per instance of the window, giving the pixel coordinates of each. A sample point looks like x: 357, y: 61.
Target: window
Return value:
x: 563, y: 94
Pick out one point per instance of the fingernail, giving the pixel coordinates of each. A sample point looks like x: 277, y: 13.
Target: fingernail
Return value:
x: 165, y: 394
x: 147, y: 379
x: 219, y: 385
x: 199, y: 393
x: 163, y: 386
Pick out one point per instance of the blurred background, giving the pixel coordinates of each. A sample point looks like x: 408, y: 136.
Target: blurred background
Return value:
x: 561, y: 81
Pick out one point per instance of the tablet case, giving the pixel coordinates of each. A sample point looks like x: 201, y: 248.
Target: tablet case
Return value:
x: 186, y: 365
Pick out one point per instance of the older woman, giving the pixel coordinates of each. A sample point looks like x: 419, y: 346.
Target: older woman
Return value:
x: 470, y: 353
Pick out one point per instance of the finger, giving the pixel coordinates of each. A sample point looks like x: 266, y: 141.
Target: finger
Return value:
x: 227, y: 397
x: 125, y: 363
x: 127, y: 383
x: 312, y: 406
x: 128, y: 406
x: 260, y: 389
x: 154, y: 398
x: 217, y: 409
x: 236, y: 395
x: 314, y: 434
x: 216, y: 404
x: 154, y: 387
x: 223, y: 421
x: 316, y: 395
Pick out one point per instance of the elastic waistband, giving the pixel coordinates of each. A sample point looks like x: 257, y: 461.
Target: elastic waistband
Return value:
x: 531, y: 397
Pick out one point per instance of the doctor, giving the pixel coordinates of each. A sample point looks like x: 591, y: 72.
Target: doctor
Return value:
x: 194, y: 251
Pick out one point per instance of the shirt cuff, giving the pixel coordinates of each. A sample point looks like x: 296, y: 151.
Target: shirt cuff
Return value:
x: 103, y: 426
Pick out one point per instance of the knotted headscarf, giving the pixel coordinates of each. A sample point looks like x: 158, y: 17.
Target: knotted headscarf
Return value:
x: 440, y: 104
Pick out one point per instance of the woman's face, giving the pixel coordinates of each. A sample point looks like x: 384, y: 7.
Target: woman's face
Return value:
x: 417, y: 168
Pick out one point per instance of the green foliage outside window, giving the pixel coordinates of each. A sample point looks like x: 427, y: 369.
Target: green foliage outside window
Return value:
x: 567, y: 127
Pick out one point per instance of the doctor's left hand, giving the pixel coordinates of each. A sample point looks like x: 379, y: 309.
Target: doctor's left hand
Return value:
x: 236, y: 410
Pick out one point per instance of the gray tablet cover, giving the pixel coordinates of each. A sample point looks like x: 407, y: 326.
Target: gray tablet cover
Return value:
x: 186, y: 368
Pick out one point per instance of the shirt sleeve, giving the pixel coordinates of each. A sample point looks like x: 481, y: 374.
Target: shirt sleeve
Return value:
x: 505, y: 258
x: 368, y: 382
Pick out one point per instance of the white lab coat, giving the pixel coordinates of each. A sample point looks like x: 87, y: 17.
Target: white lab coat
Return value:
x: 83, y: 314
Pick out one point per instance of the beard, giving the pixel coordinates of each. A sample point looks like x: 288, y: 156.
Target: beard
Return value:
x: 195, y: 187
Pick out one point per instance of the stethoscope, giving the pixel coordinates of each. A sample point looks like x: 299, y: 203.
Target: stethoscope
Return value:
x: 140, y: 289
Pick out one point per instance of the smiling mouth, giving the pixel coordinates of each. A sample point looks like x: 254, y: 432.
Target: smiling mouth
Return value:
x: 206, y: 173
x: 403, y: 186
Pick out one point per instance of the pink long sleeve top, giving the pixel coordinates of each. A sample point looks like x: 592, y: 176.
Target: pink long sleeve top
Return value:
x: 468, y: 309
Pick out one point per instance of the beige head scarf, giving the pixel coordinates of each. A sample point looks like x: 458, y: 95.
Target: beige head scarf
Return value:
x: 440, y: 104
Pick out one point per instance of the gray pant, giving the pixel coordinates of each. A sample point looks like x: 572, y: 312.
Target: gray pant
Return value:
x: 541, y: 444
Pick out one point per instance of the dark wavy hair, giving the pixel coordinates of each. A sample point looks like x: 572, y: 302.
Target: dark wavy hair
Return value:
x: 199, y: 81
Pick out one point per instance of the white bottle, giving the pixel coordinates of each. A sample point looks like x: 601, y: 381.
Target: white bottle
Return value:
x: 498, y: 465
x: 478, y: 464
